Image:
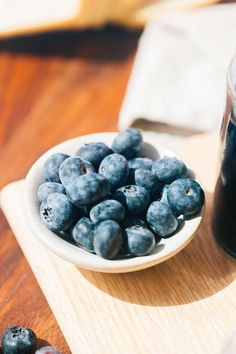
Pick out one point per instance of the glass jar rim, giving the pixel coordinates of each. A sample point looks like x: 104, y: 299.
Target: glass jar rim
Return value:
x: 232, y: 77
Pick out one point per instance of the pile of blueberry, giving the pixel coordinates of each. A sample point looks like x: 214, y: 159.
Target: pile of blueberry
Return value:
x: 115, y: 201
x: 20, y: 340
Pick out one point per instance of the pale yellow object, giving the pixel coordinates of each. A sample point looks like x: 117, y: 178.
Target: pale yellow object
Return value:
x: 183, y: 306
x: 27, y: 16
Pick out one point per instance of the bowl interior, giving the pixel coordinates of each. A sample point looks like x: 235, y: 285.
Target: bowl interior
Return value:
x: 63, y: 248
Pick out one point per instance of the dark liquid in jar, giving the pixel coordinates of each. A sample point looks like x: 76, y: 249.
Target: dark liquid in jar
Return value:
x: 224, y: 205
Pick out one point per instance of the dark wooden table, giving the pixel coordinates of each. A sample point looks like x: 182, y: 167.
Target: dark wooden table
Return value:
x: 52, y: 87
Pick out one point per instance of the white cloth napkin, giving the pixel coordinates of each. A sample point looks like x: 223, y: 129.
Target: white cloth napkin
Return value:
x: 179, y: 74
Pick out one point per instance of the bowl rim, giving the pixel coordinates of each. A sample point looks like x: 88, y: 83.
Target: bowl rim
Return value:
x: 75, y: 254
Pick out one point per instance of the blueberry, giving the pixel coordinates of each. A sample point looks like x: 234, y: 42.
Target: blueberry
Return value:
x: 141, y: 162
x: 57, y: 212
x: 18, y: 340
x: 115, y: 168
x: 94, y: 153
x: 108, y: 239
x: 107, y: 209
x: 128, y: 222
x: 161, y: 219
x: 74, y: 167
x: 48, y: 188
x: 48, y: 350
x: 169, y: 169
x: 185, y: 197
x: 147, y: 180
x: 163, y: 198
x: 88, y: 189
x: 83, y: 233
x: 51, y: 167
x: 141, y: 240
x: 134, y: 198
x: 128, y: 142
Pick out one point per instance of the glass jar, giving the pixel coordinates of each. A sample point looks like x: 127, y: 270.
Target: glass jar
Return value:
x: 224, y: 204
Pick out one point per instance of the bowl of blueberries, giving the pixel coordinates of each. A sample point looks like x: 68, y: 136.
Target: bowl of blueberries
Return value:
x: 112, y: 202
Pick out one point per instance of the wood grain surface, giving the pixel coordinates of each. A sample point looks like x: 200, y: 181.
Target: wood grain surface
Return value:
x: 184, y: 305
x: 52, y: 87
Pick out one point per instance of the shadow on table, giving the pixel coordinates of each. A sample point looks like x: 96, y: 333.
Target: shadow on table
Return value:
x: 199, y: 271
x: 42, y: 343
x: 109, y: 43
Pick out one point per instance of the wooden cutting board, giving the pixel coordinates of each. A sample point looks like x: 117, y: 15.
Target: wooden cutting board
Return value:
x: 184, y: 305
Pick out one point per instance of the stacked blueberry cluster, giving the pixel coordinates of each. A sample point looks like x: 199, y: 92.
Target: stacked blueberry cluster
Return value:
x: 20, y: 340
x: 115, y: 201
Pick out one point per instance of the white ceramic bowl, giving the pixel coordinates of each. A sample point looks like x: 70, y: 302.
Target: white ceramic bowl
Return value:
x: 165, y: 249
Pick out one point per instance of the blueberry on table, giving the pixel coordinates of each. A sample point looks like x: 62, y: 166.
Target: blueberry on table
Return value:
x: 107, y: 210
x: 57, y: 212
x: 18, y: 340
x: 47, y: 188
x: 134, y: 198
x: 147, y: 180
x: 48, y: 350
x: 140, y: 162
x: 161, y: 219
x: 88, y: 189
x: 128, y: 142
x: 74, y: 167
x: 168, y: 169
x: 107, y: 239
x: 185, y: 197
x: 83, y: 234
x: 51, y: 167
x: 94, y: 153
x: 115, y: 168
x: 141, y: 240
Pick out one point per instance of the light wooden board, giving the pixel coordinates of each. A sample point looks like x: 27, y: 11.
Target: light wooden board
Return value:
x: 185, y: 305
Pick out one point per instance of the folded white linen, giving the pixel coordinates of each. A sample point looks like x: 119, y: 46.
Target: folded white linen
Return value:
x: 179, y: 74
